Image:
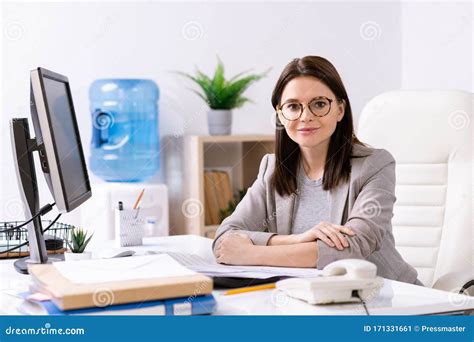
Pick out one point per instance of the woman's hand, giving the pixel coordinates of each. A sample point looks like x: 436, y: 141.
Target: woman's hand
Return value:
x: 332, y: 234
x: 235, y: 249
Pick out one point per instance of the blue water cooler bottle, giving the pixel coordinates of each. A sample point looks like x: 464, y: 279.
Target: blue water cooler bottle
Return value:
x: 125, y: 139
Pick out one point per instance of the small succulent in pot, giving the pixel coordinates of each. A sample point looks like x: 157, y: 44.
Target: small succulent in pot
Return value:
x: 79, y: 241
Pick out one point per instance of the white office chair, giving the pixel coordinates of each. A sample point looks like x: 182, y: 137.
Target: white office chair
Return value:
x: 429, y: 133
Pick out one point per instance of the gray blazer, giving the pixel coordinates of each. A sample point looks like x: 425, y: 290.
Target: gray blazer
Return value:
x: 365, y: 204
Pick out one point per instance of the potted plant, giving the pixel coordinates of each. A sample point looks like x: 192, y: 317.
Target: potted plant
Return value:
x: 79, y: 241
x: 222, y: 95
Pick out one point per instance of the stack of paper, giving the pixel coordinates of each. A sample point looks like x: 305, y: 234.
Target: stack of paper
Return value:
x: 214, y: 269
x: 122, y: 269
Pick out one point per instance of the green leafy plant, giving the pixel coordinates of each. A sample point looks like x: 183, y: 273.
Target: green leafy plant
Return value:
x: 79, y: 240
x: 220, y: 93
x: 223, y: 213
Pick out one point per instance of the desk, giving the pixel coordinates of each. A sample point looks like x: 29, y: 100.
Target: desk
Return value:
x: 395, y: 298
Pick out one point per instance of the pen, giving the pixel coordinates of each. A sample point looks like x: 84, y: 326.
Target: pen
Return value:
x: 250, y: 289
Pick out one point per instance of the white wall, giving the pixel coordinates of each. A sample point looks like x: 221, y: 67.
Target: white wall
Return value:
x: 87, y: 41
x: 437, y: 45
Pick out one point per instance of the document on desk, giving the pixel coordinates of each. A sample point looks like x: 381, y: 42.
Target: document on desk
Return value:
x: 119, y: 269
x: 214, y: 269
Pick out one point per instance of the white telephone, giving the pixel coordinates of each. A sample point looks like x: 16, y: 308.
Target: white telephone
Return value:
x: 337, y: 283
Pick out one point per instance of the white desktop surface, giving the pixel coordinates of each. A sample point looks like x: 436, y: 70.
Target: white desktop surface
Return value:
x: 396, y: 298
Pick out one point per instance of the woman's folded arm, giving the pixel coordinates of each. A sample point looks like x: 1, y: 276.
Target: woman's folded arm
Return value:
x: 370, y: 217
x: 237, y: 249
x: 250, y: 215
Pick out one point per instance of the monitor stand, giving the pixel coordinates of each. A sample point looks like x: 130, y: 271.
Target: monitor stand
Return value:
x: 23, y: 148
x: 21, y: 265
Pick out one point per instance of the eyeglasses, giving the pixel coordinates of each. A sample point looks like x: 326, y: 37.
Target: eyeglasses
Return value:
x: 319, y: 106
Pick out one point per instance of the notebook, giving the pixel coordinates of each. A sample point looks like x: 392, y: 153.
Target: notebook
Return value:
x: 159, y: 279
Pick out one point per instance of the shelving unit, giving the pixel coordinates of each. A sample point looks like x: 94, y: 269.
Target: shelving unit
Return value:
x: 240, y: 155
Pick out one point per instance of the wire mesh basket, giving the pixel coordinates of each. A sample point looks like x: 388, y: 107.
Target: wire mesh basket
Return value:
x: 14, y: 242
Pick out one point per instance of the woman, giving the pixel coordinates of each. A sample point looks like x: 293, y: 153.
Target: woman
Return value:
x: 324, y: 195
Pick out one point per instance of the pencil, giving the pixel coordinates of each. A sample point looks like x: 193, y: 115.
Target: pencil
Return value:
x: 139, y: 199
x: 250, y: 288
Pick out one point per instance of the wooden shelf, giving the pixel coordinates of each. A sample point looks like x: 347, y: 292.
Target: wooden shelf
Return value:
x: 240, y: 155
x: 232, y: 138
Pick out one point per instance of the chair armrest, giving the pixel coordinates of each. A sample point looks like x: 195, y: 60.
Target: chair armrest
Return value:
x: 456, y: 281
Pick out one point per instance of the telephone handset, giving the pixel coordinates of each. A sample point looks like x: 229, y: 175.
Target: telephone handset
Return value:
x: 347, y: 280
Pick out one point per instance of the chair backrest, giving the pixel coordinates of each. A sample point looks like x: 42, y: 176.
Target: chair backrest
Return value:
x: 429, y: 133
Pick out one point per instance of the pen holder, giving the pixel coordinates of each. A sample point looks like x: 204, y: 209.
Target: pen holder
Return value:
x: 129, y: 228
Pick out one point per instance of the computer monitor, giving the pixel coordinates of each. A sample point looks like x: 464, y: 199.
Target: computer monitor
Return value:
x: 60, y: 152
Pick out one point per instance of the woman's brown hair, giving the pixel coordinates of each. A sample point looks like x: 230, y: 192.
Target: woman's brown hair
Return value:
x: 338, y: 167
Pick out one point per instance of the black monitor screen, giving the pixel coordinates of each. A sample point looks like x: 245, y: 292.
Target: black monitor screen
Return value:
x: 69, y: 152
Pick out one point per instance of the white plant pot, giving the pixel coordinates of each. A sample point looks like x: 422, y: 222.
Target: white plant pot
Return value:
x: 68, y: 256
x: 219, y: 121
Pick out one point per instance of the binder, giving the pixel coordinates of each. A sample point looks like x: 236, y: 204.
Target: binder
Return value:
x: 197, y: 305
x: 217, y: 194
x: 211, y: 197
